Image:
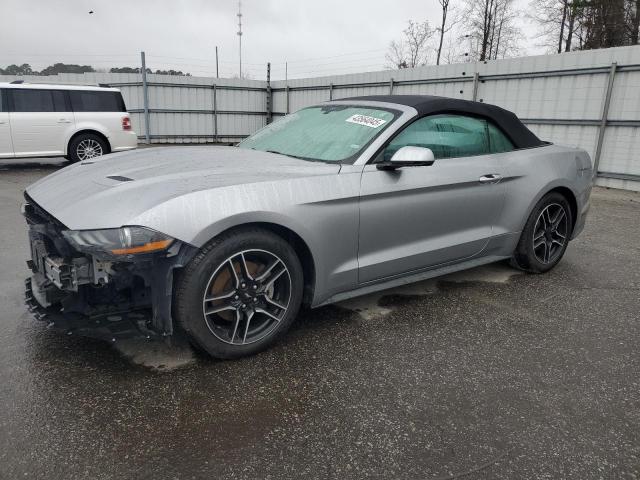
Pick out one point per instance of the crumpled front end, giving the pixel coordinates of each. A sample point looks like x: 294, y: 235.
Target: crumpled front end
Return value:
x: 85, y: 291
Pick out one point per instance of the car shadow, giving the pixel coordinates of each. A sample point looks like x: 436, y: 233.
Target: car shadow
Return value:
x: 33, y: 164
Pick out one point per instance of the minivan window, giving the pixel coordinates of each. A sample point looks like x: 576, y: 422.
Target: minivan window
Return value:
x: 93, y: 101
x: 2, y: 100
x: 36, y: 100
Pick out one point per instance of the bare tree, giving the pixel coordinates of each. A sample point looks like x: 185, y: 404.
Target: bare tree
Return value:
x: 412, y: 51
x: 444, y: 27
x: 453, y: 51
x: 397, y: 55
x: 493, y: 29
x: 551, y: 17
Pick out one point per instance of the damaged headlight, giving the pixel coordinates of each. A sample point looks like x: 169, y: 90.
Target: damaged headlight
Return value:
x: 118, y: 241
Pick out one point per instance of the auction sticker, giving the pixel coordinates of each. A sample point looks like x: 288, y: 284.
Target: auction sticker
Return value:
x: 365, y: 120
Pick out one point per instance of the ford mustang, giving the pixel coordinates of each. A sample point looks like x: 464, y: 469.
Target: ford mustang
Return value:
x: 336, y: 200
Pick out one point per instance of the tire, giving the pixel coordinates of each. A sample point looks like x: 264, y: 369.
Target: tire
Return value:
x: 545, y: 236
x: 86, y: 146
x: 231, y: 313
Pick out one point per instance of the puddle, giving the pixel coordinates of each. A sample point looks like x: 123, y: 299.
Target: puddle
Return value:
x: 369, y: 308
x: 492, y: 273
x: 157, y: 355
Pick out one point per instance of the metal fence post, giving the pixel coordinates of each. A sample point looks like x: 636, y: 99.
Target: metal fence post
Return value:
x: 145, y: 96
x: 603, y: 119
x: 286, y: 90
x: 391, y: 86
x: 476, y: 78
x: 215, y: 113
x: 331, y: 91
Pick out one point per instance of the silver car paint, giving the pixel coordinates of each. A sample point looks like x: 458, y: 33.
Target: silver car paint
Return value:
x: 363, y: 226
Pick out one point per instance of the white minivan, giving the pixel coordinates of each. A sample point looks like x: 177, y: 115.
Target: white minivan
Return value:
x: 76, y: 122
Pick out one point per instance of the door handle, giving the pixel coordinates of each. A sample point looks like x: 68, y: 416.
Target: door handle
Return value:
x: 490, y: 178
x: 64, y: 120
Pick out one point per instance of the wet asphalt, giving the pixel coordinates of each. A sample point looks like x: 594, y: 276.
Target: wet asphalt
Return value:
x: 483, y: 374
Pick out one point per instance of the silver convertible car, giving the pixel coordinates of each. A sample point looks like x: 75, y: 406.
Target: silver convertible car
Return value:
x: 337, y: 200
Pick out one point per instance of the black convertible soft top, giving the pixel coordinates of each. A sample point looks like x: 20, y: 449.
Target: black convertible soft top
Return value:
x: 511, y: 125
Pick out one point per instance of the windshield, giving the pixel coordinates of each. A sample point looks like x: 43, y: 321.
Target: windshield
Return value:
x: 330, y: 133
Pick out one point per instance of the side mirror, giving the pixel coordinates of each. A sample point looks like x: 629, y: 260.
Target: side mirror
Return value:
x: 408, y: 157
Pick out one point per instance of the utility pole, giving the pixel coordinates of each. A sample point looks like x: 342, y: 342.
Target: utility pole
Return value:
x: 217, y: 75
x: 269, y: 95
x: 240, y: 34
x: 286, y: 71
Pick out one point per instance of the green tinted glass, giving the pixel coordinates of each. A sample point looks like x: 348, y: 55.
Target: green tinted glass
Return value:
x: 498, y: 141
x: 451, y: 136
x: 329, y: 133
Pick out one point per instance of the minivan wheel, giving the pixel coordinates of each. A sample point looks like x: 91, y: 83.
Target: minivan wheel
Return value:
x: 86, y: 146
x: 545, y: 236
x: 240, y: 293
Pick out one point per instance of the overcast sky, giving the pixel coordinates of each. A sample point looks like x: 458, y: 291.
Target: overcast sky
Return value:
x: 318, y: 37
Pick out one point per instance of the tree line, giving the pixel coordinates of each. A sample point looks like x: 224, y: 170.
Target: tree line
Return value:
x: 488, y: 30
x: 587, y: 24
x: 25, y: 69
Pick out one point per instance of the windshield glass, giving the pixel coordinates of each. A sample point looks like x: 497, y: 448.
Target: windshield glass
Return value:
x: 333, y: 133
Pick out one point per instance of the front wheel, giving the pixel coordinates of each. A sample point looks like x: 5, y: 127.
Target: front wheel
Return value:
x: 240, y: 293
x: 545, y: 236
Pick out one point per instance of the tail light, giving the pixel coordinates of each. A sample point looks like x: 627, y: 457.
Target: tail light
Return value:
x: 126, y: 123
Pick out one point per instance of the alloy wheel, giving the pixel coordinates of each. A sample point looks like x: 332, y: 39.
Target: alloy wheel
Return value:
x: 550, y: 233
x: 247, y: 297
x: 88, y: 148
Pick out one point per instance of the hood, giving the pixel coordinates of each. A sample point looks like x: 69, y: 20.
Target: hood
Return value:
x: 109, y: 191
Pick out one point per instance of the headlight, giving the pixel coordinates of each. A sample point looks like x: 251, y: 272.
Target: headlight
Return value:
x: 119, y: 241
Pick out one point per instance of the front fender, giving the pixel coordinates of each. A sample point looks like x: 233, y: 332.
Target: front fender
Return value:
x: 245, y: 218
x: 322, y: 211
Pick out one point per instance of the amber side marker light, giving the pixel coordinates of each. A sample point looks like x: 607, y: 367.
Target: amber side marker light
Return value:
x: 147, y: 247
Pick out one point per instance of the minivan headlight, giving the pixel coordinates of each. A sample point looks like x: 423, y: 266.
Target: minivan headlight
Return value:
x: 119, y: 241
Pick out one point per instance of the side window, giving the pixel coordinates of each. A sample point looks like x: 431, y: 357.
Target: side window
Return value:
x: 3, y: 107
x: 93, y: 101
x: 498, y: 141
x: 451, y: 136
x: 32, y: 100
x: 59, y: 103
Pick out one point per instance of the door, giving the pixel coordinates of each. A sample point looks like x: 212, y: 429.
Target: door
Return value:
x: 6, y: 148
x: 415, y: 218
x: 41, y: 121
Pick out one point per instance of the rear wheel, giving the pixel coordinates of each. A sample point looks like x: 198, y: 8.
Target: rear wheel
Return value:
x: 546, y: 235
x: 240, y: 293
x: 86, y: 146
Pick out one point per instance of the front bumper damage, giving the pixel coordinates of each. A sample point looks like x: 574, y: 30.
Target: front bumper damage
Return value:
x: 104, y: 298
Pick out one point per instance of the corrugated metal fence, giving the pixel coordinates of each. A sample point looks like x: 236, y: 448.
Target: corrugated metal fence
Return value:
x: 181, y: 109
x: 588, y: 99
